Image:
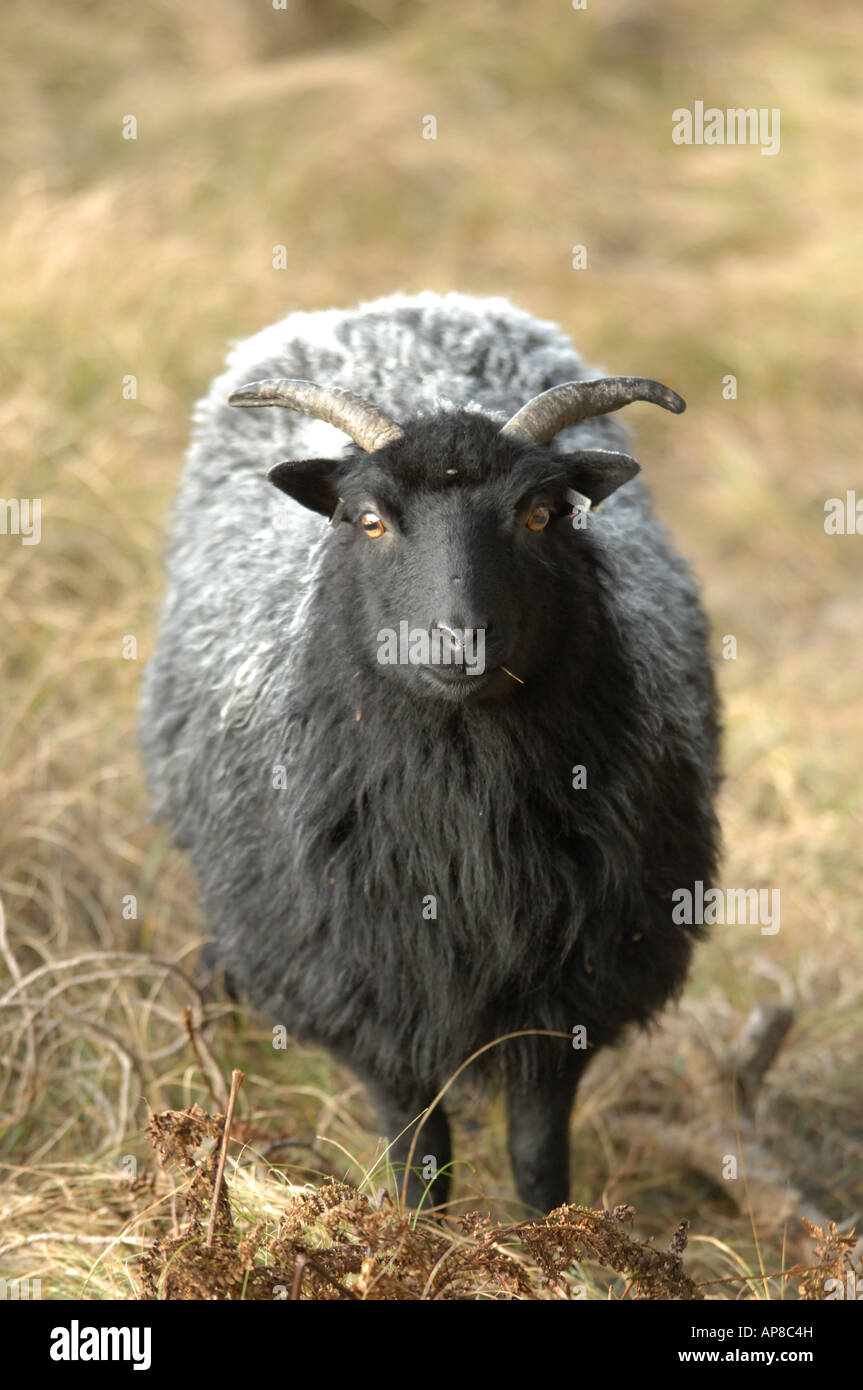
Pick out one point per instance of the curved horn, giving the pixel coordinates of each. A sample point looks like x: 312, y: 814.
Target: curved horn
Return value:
x: 366, y: 425
x: 544, y: 416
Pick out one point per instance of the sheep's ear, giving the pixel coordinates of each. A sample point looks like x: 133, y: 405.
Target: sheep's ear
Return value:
x: 599, y: 472
x: 311, y: 482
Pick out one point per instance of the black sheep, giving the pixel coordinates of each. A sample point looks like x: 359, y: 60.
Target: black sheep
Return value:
x: 403, y: 860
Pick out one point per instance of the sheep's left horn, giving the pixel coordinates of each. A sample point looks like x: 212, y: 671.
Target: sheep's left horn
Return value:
x: 544, y: 416
x: 366, y: 425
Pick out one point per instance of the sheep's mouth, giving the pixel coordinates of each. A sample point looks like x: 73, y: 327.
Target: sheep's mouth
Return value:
x: 457, y: 682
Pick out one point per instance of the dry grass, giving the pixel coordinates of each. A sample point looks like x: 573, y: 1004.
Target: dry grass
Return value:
x: 303, y: 128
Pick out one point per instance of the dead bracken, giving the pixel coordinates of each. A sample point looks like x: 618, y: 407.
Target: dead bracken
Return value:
x: 338, y: 1243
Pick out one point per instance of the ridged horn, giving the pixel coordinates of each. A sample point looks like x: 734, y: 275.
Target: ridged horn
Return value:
x: 544, y: 416
x: 366, y: 425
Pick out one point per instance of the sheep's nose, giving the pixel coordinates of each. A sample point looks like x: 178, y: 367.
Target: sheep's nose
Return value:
x: 454, y: 635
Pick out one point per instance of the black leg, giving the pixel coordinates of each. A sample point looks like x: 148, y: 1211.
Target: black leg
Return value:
x: 539, y: 1112
x: 397, y: 1108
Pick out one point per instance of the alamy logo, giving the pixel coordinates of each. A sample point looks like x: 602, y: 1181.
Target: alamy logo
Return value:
x: 76, y: 1343
x: 738, y: 125
x: 21, y: 516
x: 20, y: 1290
x: 834, y: 1289
x: 442, y: 646
x: 843, y: 516
x: 727, y: 906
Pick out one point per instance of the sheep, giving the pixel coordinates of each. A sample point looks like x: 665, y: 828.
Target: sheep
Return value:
x: 406, y: 861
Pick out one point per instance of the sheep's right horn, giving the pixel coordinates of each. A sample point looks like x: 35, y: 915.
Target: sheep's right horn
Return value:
x: 366, y: 425
x: 544, y: 416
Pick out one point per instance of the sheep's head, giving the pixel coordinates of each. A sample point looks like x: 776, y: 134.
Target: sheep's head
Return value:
x: 461, y: 530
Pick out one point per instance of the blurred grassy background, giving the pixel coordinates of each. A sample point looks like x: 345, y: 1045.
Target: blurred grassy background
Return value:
x: 302, y: 127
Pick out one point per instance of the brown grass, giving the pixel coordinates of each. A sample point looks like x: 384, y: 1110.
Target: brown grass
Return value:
x: 118, y: 257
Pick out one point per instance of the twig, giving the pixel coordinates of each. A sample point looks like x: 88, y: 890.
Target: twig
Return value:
x: 322, y: 1273
x: 190, y: 1031
x: 753, y: 1223
x: 312, y: 1263
x: 237, y: 1079
x: 72, y: 1238
x: 757, y: 1048
x: 299, y: 1271
x: 754, y: 1278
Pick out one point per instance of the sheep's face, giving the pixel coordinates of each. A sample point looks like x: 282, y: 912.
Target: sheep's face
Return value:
x: 464, y: 558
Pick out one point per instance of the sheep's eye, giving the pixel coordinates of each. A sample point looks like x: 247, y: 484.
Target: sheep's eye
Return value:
x: 372, y: 525
x: 538, y: 519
